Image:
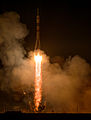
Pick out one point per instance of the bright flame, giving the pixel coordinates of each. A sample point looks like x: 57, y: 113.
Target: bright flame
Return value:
x: 38, y: 80
x: 38, y: 58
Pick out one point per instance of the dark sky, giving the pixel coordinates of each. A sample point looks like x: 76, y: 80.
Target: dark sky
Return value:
x: 64, y: 27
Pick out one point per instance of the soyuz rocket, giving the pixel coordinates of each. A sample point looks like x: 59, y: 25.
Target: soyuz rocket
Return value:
x: 37, y: 44
x: 38, y: 79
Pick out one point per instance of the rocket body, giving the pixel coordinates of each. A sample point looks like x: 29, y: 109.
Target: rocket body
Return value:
x: 37, y: 44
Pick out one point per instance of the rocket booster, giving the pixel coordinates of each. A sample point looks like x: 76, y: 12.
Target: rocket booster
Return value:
x: 37, y: 44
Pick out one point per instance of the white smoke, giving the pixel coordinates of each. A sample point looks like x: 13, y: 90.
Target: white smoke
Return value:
x: 65, y: 86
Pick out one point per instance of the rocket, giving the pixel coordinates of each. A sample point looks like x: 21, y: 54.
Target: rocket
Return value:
x: 37, y: 44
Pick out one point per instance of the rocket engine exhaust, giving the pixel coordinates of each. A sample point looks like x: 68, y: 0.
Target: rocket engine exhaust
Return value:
x: 38, y: 81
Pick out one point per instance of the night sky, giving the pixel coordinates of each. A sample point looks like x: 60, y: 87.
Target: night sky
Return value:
x: 64, y: 27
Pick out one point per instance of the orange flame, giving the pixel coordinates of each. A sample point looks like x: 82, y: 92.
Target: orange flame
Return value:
x: 38, y: 80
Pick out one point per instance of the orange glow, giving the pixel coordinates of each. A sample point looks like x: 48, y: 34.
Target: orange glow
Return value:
x: 38, y: 80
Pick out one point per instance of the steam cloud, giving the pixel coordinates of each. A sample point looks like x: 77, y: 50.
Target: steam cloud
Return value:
x: 66, y: 83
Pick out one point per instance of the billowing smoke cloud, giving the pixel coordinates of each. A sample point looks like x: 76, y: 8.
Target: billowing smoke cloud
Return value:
x: 66, y: 83
x: 12, y: 32
x: 65, y: 87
